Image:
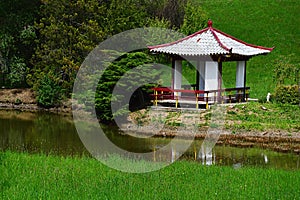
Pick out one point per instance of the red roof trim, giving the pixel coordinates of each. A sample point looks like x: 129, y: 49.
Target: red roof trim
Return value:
x: 213, y: 30
x: 178, y: 41
x: 218, y: 40
x: 245, y: 43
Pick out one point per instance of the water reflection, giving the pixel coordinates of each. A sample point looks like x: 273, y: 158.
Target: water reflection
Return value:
x: 206, y: 155
x: 233, y: 156
x: 39, y: 132
x: 56, y: 134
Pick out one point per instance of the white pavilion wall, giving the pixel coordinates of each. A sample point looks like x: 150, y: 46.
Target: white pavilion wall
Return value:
x: 240, y: 73
x: 211, y: 75
x: 178, y: 74
x: 201, y: 70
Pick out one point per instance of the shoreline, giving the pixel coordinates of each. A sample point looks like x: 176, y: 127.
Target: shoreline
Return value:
x: 280, y: 141
x: 24, y: 99
x: 277, y: 141
x: 33, y: 107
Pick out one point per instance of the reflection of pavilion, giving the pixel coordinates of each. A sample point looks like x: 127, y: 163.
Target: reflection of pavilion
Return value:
x: 208, y: 48
x: 205, y: 154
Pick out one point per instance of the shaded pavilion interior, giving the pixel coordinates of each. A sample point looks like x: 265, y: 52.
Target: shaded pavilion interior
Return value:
x: 209, y: 48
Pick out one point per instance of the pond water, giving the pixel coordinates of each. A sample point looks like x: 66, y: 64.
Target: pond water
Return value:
x: 56, y: 134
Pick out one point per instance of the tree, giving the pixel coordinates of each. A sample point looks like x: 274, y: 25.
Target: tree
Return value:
x: 195, y: 18
x: 69, y: 30
x: 16, y: 39
x: 110, y: 79
x: 171, y: 10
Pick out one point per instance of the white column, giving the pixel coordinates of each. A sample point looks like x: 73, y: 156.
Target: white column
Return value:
x: 240, y: 73
x: 201, y: 71
x: 177, y: 74
x: 211, y: 75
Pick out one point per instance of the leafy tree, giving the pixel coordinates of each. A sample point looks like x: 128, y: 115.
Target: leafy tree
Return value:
x: 125, y: 15
x: 171, y: 10
x: 195, y: 18
x: 16, y: 38
x: 69, y: 30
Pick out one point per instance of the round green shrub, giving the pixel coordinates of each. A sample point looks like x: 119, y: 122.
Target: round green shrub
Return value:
x: 49, y: 93
x: 287, y: 94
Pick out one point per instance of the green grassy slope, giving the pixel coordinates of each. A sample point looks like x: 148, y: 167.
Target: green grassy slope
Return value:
x: 262, y: 22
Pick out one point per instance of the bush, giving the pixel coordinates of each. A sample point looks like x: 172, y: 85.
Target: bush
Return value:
x: 49, y: 93
x: 287, y: 94
x: 123, y: 75
x: 17, y: 73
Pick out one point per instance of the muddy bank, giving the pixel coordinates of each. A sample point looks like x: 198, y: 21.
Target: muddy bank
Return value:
x: 277, y: 141
x: 195, y: 124
x: 34, y: 108
x: 25, y: 100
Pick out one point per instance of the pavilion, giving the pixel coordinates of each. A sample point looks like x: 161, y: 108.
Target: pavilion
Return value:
x: 208, y: 48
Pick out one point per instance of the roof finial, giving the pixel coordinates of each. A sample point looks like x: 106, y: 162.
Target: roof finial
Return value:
x: 209, y: 23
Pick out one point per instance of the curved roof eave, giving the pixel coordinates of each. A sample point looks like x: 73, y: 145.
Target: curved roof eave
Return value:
x: 210, y: 41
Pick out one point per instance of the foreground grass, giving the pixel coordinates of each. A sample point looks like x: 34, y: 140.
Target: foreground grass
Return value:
x: 264, y: 116
x: 25, y: 176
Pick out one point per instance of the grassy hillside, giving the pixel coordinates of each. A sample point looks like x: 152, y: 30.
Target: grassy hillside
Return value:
x: 262, y: 22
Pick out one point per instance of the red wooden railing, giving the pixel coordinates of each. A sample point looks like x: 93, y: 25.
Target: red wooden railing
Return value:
x: 216, y: 96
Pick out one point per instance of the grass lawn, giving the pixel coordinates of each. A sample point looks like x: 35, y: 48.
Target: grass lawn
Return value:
x: 25, y: 176
x: 263, y: 117
x: 262, y: 22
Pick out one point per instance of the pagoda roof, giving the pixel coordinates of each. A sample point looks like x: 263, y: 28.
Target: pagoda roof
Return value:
x: 210, y: 41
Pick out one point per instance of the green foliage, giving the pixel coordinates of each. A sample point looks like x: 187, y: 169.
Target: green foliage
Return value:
x: 286, y: 76
x: 17, y: 73
x: 13, y: 68
x: 104, y: 97
x: 28, y: 35
x: 65, y: 32
x: 130, y: 14
x: 49, y: 93
x: 156, y: 22
x: 6, y: 49
x: 68, y: 31
x: 286, y: 72
x: 17, y: 37
x: 287, y: 94
x: 171, y: 10
x: 195, y: 18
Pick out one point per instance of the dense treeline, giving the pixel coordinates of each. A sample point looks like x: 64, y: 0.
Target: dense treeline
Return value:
x: 44, y: 42
x: 17, y: 40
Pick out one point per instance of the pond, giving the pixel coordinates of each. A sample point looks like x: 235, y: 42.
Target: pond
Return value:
x: 56, y: 134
